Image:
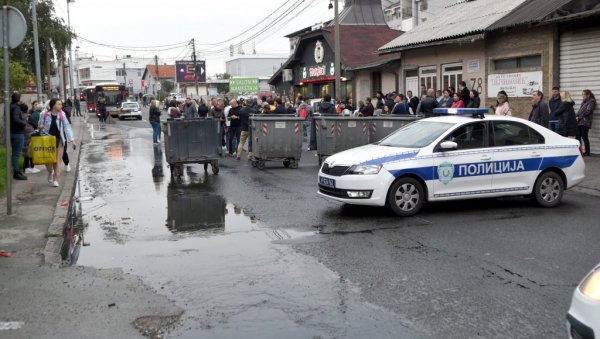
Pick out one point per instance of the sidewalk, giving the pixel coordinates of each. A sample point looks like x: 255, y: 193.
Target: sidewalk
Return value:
x: 591, y: 184
x: 33, y: 233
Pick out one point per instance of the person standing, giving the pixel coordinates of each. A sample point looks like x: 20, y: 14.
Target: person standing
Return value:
x: 189, y: 109
x: 54, y: 122
x: 413, y: 101
x: 154, y: 117
x: 565, y: 116
x: 28, y: 165
x: 202, y: 109
x: 368, y: 109
x: 400, y: 105
x: 475, y: 100
x: 584, y: 119
x: 17, y: 134
x: 244, y: 117
x: 502, y: 106
x: 326, y: 107
x: 101, y: 106
x: 540, y: 113
x: 439, y: 95
x: 235, y: 127
x: 554, y: 103
x: 428, y: 104
x: 305, y: 111
x: 447, y: 99
x: 464, y: 93
x: 458, y: 102
x: 217, y: 113
x: 77, y: 105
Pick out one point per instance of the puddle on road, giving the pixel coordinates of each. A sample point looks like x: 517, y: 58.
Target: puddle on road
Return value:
x: 235, y: 276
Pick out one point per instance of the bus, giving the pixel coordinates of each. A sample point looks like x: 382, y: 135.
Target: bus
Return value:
x: 88, y: 94
x: 114, y: 93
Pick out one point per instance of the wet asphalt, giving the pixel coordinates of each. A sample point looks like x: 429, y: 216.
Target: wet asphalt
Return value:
x: 254, y: 253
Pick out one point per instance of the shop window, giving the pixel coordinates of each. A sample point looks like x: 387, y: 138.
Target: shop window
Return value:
x: 520, y: 62
x: 452, y: 75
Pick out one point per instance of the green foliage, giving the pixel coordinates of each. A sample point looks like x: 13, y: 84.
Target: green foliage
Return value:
x: 167, y: 86
x: 19, y: 77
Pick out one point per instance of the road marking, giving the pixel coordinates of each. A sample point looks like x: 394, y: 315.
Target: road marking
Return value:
x: 11, y: 325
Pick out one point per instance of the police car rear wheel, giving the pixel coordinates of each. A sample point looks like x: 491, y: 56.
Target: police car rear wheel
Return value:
x: 548, y: 189
x: 405, y: 197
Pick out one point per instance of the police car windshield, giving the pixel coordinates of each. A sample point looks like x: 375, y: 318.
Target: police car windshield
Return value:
x: 416, y: 135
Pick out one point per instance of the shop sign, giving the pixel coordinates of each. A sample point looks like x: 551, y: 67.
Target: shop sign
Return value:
x: 318, y: 71
x: 519, y: 85
x: 240, y: 85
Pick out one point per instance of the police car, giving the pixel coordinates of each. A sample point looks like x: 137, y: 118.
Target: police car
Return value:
x: 458, y: 155
x: 583, y: 319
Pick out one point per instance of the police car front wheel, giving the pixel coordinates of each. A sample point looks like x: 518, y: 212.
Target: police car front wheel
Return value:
x: 405, y: 197
x: 548, y: 189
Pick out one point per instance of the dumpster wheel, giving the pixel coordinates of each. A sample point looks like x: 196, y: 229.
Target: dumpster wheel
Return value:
x: 286, y: 163
x: 260, y: 164
x: 176, y: 170
x: 214, y: 166
x: 294, y: 163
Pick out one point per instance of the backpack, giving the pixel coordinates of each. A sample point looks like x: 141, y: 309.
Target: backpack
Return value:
x: 303, y: 112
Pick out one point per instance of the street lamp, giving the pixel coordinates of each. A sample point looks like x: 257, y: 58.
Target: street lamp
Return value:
x: 73, y: 85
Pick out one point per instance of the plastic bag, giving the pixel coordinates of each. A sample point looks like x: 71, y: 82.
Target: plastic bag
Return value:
x: 43, y: 149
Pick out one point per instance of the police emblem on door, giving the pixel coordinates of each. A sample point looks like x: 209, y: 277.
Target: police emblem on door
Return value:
x: 445, y: 172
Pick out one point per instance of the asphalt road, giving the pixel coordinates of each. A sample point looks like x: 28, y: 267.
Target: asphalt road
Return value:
x: 251, y: 253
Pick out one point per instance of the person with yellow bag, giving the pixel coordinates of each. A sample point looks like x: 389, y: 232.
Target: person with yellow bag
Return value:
x: 54, y: 122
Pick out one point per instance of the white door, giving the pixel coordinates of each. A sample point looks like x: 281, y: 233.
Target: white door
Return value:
x: 412, y: 84
x: 461, y: 172
x: 519, y: 152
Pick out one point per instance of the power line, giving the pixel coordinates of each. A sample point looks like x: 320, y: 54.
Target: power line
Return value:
x: 137, y: 48
x: 267, y: 28
x: 246, y: 31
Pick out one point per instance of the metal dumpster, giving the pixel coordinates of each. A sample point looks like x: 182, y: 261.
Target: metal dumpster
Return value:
x: 384, y: 125
x: 276, y: 137
x: 339, y: 133
x: 192, y: 141
x: 191, y: 210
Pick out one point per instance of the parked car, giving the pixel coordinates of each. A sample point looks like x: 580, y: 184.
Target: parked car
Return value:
x: 583, y: 318
x: 130, y: 109
x: 455, y: 157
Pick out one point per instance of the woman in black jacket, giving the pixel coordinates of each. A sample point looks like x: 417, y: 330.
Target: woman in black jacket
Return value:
x: 475, y: 101
x: 155, y: 121
x: 565, y: 113
x: 17, y: 134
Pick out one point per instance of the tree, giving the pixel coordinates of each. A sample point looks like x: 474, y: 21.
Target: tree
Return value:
x: 19, y: 77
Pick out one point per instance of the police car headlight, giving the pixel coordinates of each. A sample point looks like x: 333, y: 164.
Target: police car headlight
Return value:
x: 590, y: 287
x: 364, y: 169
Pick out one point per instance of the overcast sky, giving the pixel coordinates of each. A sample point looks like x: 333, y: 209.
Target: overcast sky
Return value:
x: 158, y: 22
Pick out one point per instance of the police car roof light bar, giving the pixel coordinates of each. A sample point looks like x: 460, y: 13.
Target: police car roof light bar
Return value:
x: 474, y: 112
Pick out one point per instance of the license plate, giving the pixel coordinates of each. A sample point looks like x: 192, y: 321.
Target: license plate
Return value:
x: 327, y: 182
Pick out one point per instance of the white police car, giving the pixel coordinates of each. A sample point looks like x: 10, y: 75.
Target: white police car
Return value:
x: 460, y: 155
x: 583, y: 319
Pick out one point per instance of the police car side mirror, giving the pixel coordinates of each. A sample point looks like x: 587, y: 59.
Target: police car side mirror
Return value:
x: 448, y: 146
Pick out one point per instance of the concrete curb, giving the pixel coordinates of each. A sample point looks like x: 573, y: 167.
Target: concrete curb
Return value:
x: 62, y: 214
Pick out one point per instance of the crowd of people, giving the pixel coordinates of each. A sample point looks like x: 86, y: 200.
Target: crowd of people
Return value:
x: 52, y: 119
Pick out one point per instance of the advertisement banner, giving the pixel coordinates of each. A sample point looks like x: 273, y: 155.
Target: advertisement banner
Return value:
x: 242, y: 85
x: 187, y: 73
x: 516, y: 85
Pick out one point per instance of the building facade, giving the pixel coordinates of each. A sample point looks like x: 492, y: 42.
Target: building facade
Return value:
x: 126, y: 71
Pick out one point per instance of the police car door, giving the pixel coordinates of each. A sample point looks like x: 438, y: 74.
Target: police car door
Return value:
x: 461, y: 172
x: 519, y: 151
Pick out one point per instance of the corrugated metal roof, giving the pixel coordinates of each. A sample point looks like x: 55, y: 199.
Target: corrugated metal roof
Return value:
x: 463, y: 18
x: 530, y: 12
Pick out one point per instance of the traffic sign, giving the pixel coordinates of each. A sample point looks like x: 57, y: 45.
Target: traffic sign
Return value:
x: 158, y: 86
x: 17, y: 27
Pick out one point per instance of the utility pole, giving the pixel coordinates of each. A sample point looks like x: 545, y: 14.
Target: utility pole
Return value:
x: 337, y: 59
x: 125, y: 76
x: 73, y: 91
x: 157, y: 85
x: 197, y: 74
x: 36, y: 51
x: 415, y: 13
